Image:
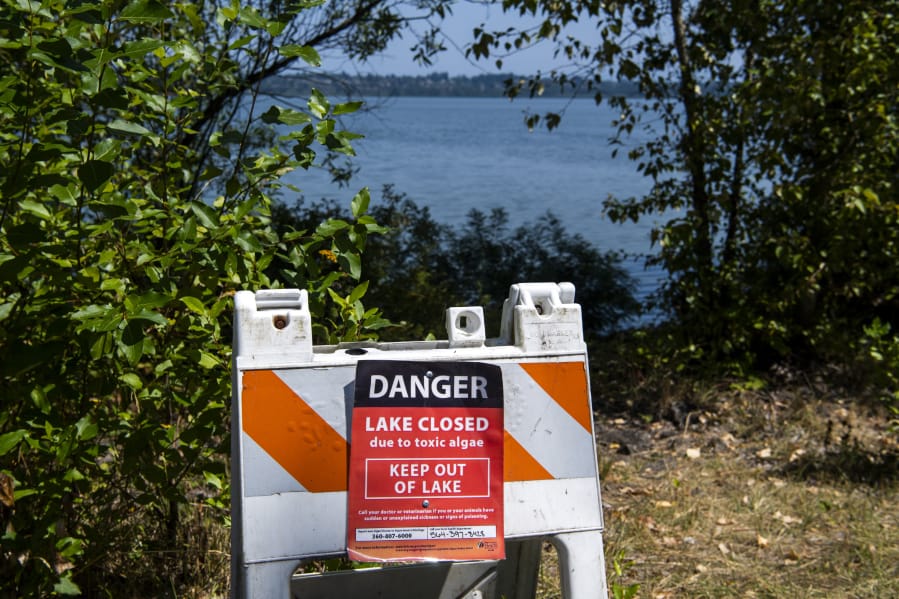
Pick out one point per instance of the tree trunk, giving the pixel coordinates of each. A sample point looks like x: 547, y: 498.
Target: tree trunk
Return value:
x: 693, y: 148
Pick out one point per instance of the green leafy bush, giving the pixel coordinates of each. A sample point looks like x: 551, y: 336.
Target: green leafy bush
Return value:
x: 121, y: 244
x: 419, y: 267
x: 771, y: 137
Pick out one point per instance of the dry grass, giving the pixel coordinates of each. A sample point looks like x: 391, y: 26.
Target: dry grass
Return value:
x: 783, y: 493
x: 776, y: 494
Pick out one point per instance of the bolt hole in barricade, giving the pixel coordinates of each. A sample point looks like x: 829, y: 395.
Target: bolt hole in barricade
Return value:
x: 446, y: 463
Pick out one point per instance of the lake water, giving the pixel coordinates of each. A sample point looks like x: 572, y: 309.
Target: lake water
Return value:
x: 456, y: 154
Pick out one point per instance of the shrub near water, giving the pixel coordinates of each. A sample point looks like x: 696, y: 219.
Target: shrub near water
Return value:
x: 420, y: 267
x: 116, y: 278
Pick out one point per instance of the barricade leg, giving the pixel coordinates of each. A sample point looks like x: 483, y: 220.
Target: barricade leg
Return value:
x: 581, y: 564
x: 517, y: 574
x: 269, y: 580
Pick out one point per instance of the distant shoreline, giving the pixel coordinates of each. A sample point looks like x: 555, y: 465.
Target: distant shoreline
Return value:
x: 433, y: 85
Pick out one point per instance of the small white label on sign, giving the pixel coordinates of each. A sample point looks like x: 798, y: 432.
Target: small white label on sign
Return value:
x: 391, y: 534
x: 421, y: 534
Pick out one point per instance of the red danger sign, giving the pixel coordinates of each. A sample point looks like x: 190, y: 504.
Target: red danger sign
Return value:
x: 426, y: 462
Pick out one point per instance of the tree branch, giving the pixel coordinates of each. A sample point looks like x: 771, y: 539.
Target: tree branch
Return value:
x: 218, y: 102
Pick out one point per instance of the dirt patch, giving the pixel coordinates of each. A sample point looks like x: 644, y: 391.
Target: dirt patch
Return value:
x: 785, y: 493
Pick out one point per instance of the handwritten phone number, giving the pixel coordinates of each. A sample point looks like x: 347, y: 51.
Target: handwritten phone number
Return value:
x: 457, y: 533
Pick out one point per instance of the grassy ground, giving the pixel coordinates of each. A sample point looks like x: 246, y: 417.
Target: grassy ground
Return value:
x: 786, y: 493
x: 790, y: 491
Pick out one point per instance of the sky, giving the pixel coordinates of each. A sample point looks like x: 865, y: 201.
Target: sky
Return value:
x: 457, y: 28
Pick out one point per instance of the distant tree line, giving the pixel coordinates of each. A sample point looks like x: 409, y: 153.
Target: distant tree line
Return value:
x: 433, y: 85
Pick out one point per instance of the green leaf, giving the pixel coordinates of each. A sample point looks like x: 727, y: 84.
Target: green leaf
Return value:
x: 241, y: 42
x: 70, y: 546
x: 131, y: 342
x: 208, y: 361
x: 358, y: 292
x: 337, y: 298
x: 132, y: 380
x: 67, y: 194
x: 359, y: 205
x: 95, y: 173
x: 194, y: 305
x: 66, y: 586
x: 149, y: 315
x: 206, y: 215
x: 140, y: 48
x: 347, y: 108
x: 293, y: 117
x: 128, y: 128
x: 276, y: 27
x: 247, y: 241
x: 340, y: 142
x: 35, y: 208
x: 318, y: 104
x: 86, y: 429
x: 112, y: 285
x: 152, y: 300
x: 250, y: 16
x: 352, y: 262
x: 8, y: 441
x: 22, y: 493
x: 145, y: 11
x: 39, y: 397
x: 271, y: 115
x: 307, y: 53
x: 331, y: 226
x: 213, y: 480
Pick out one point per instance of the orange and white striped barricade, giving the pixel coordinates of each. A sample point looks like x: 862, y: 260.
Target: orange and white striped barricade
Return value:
x: 291, y: 415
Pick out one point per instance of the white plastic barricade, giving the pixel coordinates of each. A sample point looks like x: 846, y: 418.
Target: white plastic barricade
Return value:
x: 292, y: 415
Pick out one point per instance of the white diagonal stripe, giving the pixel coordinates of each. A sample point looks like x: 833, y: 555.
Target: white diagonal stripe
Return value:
x: 544, y: 428
x: 328, y: 391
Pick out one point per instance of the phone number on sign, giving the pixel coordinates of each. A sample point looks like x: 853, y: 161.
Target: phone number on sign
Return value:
x: 391, y: 534
x: 421, y: 534
x: 462, y: 532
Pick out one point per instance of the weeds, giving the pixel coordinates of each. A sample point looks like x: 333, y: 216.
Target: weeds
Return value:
x: 767, y: 491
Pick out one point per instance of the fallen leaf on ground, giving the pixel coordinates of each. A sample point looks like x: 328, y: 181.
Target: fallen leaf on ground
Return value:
x: 670, y: 541
x: 633, y: 491
x: 761, y: 541
x: 786, y: 519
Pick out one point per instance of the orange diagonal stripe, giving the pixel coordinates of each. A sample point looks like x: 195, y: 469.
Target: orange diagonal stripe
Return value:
x: 518, y: 464
x: 565, y: 382
x: 292, y: 433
